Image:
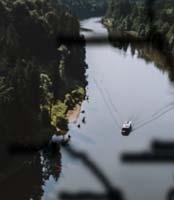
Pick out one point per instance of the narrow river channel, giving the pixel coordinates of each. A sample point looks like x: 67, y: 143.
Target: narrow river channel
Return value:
x: 121, y: 86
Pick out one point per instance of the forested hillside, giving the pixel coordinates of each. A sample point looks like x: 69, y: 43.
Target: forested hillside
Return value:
x: 145, y: 19
x: 41, y: 76
x: 86, y: 8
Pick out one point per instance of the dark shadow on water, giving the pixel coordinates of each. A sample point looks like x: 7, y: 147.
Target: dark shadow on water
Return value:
x: 112, y: 193
x: 160, y: 152
x: 93, y: 40
x: 170, y: 194
x: 24, y: 171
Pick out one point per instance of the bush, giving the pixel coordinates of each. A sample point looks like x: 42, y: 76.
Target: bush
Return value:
x: 62, y: 123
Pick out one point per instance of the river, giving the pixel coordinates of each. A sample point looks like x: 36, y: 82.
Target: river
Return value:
x: 127, y: 87
x: 121, y: 86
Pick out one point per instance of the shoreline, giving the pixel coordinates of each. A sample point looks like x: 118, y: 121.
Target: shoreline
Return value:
x: 73, y: 115
x: 124, y: 36
x: 133, y: 36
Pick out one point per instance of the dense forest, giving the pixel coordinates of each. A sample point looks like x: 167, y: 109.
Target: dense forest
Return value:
x: 86, y: 8
x: 41, y: 75
x: 143, y: 19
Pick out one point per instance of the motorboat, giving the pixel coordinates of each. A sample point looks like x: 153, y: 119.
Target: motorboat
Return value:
x: 126, y: 128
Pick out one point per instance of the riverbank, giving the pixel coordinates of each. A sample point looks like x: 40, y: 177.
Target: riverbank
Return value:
x: 40, y: 73
x: 73, y: 115
x: 141, y: 21
x: 134, y: 39
x: 68, y: 110
x: 128, y: 36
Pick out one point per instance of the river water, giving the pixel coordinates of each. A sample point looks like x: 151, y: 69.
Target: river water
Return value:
x: 121, y: 86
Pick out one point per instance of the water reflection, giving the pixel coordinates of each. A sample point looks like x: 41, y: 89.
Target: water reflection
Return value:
x: 23, y: 175
x: 150, y: 53
x: 51, y: 162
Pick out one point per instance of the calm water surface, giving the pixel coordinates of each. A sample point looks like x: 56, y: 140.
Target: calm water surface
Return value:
x: 121, y: 87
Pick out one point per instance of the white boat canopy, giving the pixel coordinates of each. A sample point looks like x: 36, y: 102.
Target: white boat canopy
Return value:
x: 127, y: 124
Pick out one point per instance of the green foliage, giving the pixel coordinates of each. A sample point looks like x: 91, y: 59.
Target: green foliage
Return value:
x: 74, y: 97
x: 19, y: 105
x: 6, y: 92
x: 62, y: 123
x: 151, y: 20
x: 30, y: 27
x: 46, y: 89
x: 86, y: 8
x: 35, y: 72
x: 58, y: 111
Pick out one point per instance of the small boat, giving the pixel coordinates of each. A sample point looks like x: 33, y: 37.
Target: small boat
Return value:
x: 126, y: 128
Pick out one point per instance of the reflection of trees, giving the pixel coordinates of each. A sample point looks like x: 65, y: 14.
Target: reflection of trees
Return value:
x: 51, y: 163
x: 160, y: 52
x: 22, y: 175
x: 151, y: 54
